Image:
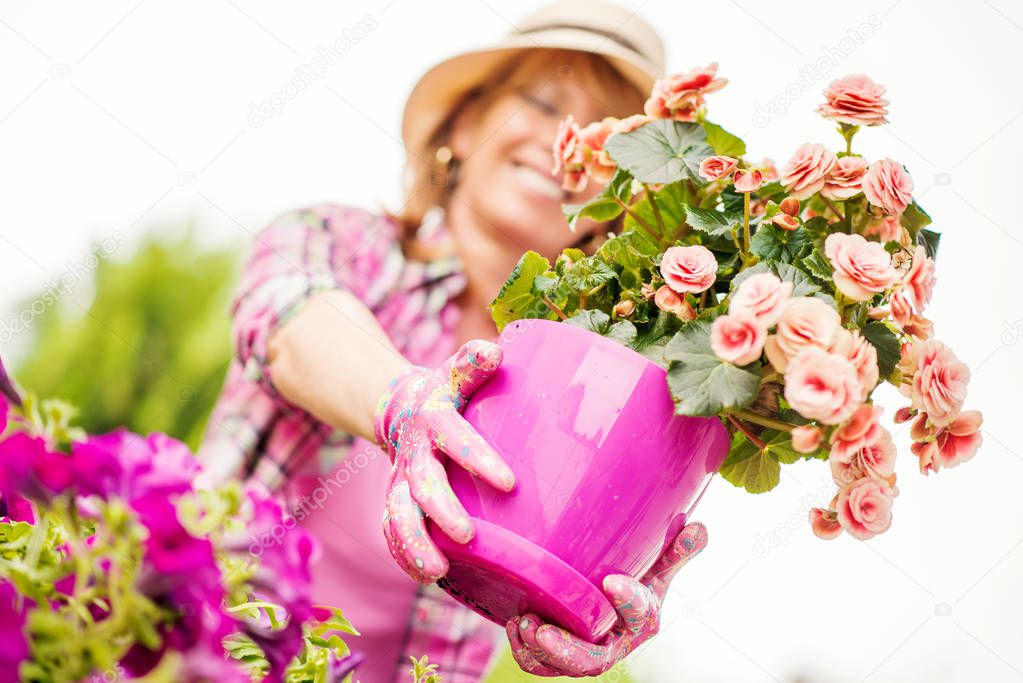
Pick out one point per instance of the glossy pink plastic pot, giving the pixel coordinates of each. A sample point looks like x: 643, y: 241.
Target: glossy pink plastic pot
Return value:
x: 605, y: 474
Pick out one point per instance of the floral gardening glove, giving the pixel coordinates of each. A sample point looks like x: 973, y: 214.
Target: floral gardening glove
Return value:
x: 546, y: 650
x: 418, y: 422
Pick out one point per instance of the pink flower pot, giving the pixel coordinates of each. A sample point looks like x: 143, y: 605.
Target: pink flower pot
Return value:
x: 605, y: 474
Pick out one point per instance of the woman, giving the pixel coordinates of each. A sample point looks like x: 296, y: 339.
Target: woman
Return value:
x: 339, y: 307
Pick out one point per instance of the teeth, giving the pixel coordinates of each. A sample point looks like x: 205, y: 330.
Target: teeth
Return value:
x: 543, y: 184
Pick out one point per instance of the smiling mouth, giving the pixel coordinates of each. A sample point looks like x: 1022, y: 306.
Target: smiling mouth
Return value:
x: 543, y: 184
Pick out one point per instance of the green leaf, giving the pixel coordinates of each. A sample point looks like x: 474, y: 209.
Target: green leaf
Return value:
x: 914, y: 218
x: 750, y: 468
x: 623, y: 332
x: 817, y: 226
x: 700, y: 382
x: 712, y: 222
x: 887, y: 345
x: 817, y: 265
x: 758, y: 470
x: 516, y: 299
x: 631, y: 254
x: 599, y: 209
x: 723, y: 142
x: 592, y: 320
x: 771, y: 243
x: 597, y: 321
x: 588, y: 273
x: 604, y: 207
x: 802, y: 285
x: 929, y: 239
x: 661, y: 151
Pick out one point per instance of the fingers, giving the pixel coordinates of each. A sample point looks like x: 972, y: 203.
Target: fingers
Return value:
x: 572, y: 655
x: 429, y: 487
x: 687, y: 545
x: 638, y: 608
x: 407, y: 538
x: 471, y: 366
x: 523, y: 655
x: 454, y: 436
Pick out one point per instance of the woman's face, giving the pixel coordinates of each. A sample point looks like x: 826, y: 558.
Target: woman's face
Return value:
x: 505, y: 154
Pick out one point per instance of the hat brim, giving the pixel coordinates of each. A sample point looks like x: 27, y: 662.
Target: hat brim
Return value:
x: 447, y: 83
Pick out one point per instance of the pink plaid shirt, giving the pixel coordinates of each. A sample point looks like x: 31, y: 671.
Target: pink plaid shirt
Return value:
x: 335, y: 483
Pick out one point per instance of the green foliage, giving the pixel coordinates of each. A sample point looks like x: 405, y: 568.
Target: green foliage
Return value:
x: 756, y: 469
x: 518, y: 297
x: 723, y: 142
x: 661, y: 151
x: 771, y: 243
x: 623, y: 331
x: 700, y: 382
x: 887, y: 345
x: 713, y: 222
x: 150, y: 350
x: 605, y: 206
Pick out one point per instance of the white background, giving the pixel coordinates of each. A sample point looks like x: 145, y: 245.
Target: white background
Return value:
x: 130, y: 116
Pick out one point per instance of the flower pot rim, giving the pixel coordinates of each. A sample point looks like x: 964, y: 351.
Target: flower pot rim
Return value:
x: 575, y: 329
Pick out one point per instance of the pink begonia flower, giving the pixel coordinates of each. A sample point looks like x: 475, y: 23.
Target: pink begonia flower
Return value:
x: 886, y: 229
x: 805, y: 322
x: 690, y: 269
x: 955, y: 443
x: 599, y: 164
x: 631, y: 123
x: 716, y: 167
x: 856, y: 100
x: 860, y: 430
x: 862, y: 268
x: 806, y: 438
x: 667, y: 299
x: 824, y: 524
x: 680, y: 96
x: 763, y: 296
x: 887, y: 185
x: 737, y: 338
x: 748, y: 181
x: 569, y: 154
x: 805, y: 173
x: 938, y: 380
x: 869, y: 454
x: 920, y: 280
x: 865, y: 508
x: 902, y: 308
x: 822, y: 386
x: 845, y: 179
x: 862, y: 354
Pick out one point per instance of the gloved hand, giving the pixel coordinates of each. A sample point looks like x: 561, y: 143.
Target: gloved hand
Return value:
x: 418, y: 422
x: 546, y: 650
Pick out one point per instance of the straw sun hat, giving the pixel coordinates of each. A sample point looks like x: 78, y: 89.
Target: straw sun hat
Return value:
x: 626, y: 41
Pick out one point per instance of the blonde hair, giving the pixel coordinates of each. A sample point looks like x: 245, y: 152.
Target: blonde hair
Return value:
x: 429, y: 182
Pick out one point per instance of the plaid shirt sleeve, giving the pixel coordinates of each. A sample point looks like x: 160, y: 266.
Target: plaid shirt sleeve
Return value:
x: 253, y: 430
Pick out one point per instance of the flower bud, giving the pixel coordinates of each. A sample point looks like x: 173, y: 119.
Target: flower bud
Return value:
x: 789, y: 206
x: 785, y: 221
x: 623, y: 309
x: 806, y: 439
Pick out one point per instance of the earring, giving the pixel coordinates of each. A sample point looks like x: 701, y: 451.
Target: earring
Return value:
x: 443, y: 157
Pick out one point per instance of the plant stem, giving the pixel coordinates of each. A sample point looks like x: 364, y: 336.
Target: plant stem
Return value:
x: 768, y: 422
x: 554, y: 307
x: 742, y: 427
x: 834, y: 209
x: 639, y: 221
x: 656, y: 209
x: 745, y: 222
